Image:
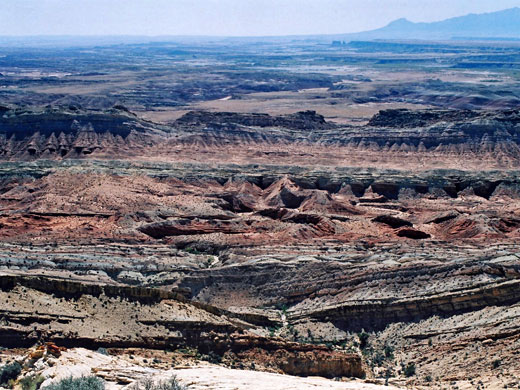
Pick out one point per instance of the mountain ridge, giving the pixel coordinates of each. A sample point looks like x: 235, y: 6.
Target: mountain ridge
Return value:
x: 499, y: 24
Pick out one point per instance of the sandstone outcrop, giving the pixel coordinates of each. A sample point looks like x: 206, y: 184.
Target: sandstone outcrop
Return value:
x: 121, y: 369
x: 148, y: 318
x: 392, y: 221
x: 413, y: 233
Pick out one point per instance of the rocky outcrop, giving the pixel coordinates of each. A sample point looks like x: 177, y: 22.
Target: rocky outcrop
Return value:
x: 443, y: 217
x: 182, y: 227
x: 399, y: 293
x: 74, y: 288
x: 304, y: 120
x: 413, y: 234
x: 145, y: 318
x: 127, y: 367
x: 392, y: 221
x: 403, y: 118
x: 376, y: 315
x: 304, y: 360
x: 61, y: 133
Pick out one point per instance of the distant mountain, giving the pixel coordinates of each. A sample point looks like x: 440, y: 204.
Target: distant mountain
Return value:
x: 501, y: 24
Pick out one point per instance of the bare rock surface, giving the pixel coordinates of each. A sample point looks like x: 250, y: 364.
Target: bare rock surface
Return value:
x: 120, y: 373
x: 221, y: 378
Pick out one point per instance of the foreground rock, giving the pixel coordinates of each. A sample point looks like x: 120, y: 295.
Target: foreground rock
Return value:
x: 97, y: 315
x: 120, y: 372
x: 221, y: 378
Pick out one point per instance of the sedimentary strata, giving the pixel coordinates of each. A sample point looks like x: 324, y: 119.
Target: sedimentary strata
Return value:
x: 278, y: 239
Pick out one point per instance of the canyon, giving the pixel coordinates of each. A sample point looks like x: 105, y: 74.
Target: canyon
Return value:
x: 382, y: 250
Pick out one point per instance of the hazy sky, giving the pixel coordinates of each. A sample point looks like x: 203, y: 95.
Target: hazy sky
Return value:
x: 223, y: 17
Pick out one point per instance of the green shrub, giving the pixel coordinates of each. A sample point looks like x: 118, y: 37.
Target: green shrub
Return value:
x: 389, y: 352
x: 32, y: 382
x: 149, y: 384
x: 9, y: 372
x: 193, y: 251
x: 496, y: 363
x: 83, y: 383
x: 363, y: 340
x: 409, y: 370
x: 378, y: 359
x: 212, y: 357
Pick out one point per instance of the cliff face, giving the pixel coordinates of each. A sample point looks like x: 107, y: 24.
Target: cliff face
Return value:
x: 92, y: 315
x: 304, y: 120
x: 390, y: 132
x: 433, y: 137
x: 467, y: 130
x: 400, y: 291
x: 72, y: 133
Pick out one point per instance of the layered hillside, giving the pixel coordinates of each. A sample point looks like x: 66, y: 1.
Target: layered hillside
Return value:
x: 435, y: 138
x: 293, y: 243
x: 72, y: 133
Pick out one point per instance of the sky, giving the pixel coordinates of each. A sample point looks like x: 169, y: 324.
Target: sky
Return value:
x: 224, y: 17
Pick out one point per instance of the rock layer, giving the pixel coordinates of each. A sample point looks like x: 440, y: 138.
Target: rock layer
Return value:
x: 440, y: 136
x: 280, y: 239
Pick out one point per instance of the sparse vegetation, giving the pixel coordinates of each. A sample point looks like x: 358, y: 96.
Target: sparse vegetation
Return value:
x: 193, y: 251
x: 32, y: 382
x: 9, y: 372
x: 378, y: 359
x: 409, y: 370
x: 150, y: 384
x: 273, y: 330
x: 83, y: 383
x: 389, y: 352
x: 363, y: 339
x: 212, y: 357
